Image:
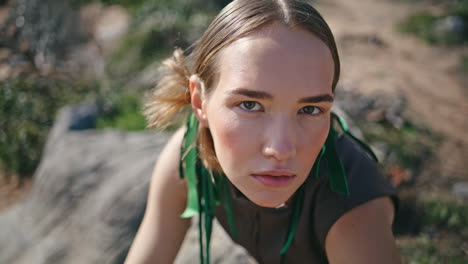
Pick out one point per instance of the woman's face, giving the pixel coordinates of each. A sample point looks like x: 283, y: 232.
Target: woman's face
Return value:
x: 269, y: 112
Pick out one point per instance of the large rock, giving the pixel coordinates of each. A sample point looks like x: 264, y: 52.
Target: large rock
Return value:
x: 88, y: 198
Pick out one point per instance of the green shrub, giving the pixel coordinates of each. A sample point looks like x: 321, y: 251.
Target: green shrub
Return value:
x: 424, y: 249
x: 422, y: 24
x: 446, y: 215
x: 464, y: 64
x: 28, y: 108
x: 124, y: 113
x: 411, y: 145
x: 157, y: 28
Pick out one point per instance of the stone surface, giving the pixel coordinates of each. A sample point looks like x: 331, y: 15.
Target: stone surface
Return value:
x: 460, y: 189
x: 88, y: 198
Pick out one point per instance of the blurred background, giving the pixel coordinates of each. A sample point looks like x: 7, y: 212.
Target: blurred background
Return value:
x: 404, y: 89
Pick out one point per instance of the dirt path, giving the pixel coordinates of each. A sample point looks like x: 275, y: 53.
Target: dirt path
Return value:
x: 376, y: 57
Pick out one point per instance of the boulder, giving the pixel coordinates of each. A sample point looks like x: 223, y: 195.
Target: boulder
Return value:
x: 88, y: 198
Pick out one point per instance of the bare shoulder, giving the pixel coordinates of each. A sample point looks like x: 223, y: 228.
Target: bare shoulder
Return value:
x: 165, y: 181
x: 162, y: 229
x: 364, y: 235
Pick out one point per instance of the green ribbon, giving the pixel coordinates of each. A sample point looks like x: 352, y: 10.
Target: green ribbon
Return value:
x: 189, y: 155
x: 202, y: 191
x: 337, y: 174
x: 345, y: 129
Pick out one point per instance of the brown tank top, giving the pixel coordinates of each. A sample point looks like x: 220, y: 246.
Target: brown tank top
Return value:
x: 262, y: 231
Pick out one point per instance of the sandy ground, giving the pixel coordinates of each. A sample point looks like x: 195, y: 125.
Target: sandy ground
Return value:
x: 375, y: 57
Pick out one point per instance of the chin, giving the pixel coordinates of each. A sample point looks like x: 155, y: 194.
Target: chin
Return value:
x: 270, y: 201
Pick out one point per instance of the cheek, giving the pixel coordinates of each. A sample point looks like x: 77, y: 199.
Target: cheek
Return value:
x: 313, y: 140
x: 225, y: 134
x: 229, y: 140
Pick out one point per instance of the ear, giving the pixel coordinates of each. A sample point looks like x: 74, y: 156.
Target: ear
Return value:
x: 197, y: 97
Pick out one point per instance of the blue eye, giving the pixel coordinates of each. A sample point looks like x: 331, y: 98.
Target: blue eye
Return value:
x: 250, y: 106
x: 310, y: 110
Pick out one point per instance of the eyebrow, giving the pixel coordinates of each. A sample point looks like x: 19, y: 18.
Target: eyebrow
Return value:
x: 265, y: 95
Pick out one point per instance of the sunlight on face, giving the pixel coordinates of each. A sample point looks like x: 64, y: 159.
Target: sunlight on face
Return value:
x: 269, y: 113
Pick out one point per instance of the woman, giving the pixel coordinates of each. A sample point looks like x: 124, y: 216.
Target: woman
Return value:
x: 261, y: 150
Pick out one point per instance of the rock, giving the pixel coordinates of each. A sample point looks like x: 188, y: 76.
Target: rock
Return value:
x: 376, y: 107
x: 3, y: 15
x: 111, y: 26
x: 5, y: 71
x: 451, y: 29
x: 88, y: 198
x: 460, y: 189
x: 4, y: 54
x: 89, y: 15
x: 87, y: 60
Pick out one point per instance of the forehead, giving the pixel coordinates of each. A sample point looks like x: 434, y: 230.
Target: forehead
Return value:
x: 277, y: 56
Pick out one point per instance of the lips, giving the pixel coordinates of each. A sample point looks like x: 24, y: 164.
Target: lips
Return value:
x: 274, y: 179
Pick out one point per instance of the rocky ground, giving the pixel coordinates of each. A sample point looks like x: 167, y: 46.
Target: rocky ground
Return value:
x: 376, y: 58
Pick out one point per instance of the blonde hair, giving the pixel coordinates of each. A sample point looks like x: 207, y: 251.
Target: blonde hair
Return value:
x: 168, y: 104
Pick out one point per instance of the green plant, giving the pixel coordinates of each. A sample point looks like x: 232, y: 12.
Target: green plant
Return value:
x: 423, y: 24
x: 420, y: 24
x: 425, y: 249
x: 411, y: 145
x: 157, y: 28
x: 446, y: 215
x: 464, y: 64
x: 124, y: 113
x: 28, y: 108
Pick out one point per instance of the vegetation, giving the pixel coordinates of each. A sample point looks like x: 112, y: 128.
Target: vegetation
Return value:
x: 28, y: 108
x: 446, y: 214
x: 411, y: 144
x: 158, y: 27
x: 123, y: 114
x: 425, y: 24
x: 464, y: 64
x: 425, y: 249
x: 443, y: 230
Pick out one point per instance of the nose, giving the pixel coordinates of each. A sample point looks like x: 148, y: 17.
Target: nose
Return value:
x: 279, y: 141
